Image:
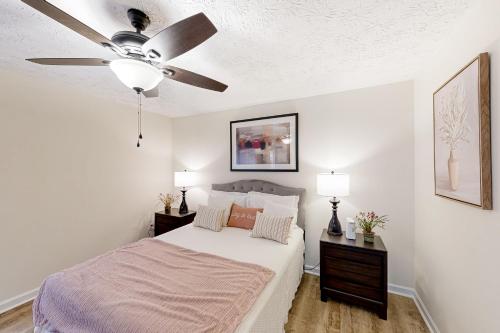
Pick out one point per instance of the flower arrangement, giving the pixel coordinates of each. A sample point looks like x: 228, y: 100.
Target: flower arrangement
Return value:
x: 454, y: 128
x: 167, y: 200
x: 368, y: 221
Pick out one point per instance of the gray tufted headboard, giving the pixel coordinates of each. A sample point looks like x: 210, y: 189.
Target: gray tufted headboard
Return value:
x: 263, y: 186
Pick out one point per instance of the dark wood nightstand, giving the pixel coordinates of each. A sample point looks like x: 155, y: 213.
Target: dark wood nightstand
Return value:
x: 167, y: 222
x: 353, y: 271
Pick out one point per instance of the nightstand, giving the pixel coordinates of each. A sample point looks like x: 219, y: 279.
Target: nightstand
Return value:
x: 353, y: 271
x: 167, y: 222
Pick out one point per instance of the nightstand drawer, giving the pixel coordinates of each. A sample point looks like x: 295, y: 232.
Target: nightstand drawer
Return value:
x: 367, y: 276
x: 352, y: 288
x: 167, y: 222
x: 161, y: 228
x: 362, y: 257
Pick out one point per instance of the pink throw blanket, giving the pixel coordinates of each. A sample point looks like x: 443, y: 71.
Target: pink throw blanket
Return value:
x: 150, y: 286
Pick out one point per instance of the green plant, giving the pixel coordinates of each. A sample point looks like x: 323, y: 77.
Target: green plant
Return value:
x: 367, y: 221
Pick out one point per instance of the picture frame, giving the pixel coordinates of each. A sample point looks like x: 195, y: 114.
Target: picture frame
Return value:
x: 265, y: 144
x: 462, y: 137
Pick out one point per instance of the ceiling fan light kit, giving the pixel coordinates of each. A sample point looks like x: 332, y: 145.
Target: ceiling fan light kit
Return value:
x: 136, y: 74
x: 143, y: 64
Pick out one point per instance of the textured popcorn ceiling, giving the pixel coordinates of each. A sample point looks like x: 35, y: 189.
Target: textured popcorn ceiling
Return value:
x: 265, y: 50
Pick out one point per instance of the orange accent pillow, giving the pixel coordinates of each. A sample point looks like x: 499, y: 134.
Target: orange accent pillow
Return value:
x: 242, y: 217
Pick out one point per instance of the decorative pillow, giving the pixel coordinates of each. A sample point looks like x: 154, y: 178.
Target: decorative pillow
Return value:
x: 272, y: 227
x: 258, y: 199
x: 242, y: 217
x: 222, y: 203
x: 271, y: 208
x: 209, y: 218
x: 238, y: 197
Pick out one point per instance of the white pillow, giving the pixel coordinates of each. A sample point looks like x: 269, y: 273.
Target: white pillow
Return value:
x: 258, y: 199
x: 224, y: 203
x: 271, y: 208
x: 239, y: 198
x: 272, y: 227
x: 209, y: 218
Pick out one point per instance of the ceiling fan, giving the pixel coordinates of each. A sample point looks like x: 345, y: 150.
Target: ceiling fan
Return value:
x: 142, y: 64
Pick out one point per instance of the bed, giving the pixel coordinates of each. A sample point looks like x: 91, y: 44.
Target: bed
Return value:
x: 269, y: 312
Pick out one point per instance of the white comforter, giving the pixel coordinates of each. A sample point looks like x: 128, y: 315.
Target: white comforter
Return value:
x: 270, y: 311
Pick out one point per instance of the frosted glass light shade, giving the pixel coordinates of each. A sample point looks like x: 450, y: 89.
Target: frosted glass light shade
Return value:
x: 136, y: 73
x: 333, y: 184
x: 184, y: 179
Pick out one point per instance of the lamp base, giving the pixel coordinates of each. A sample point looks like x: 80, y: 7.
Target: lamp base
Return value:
x: 334, y: 227
x: 183, y: 208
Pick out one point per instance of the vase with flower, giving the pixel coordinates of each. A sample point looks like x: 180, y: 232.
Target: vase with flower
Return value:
x: 167, y: 200
x: 454, y: 129
x: 368, y: 221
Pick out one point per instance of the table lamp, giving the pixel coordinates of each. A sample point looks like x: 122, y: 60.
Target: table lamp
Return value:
x: 184, y: 180
x: 333, y: 185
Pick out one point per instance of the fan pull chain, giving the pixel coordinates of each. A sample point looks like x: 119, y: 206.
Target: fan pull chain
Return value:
x: 140, y: 116
x: 139, y: 119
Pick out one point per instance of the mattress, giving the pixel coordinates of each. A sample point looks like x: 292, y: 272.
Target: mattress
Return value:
x: 269, y: 313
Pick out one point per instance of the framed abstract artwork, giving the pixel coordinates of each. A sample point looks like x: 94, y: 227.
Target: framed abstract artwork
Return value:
x: 265, y: 144
x: 462, y: 144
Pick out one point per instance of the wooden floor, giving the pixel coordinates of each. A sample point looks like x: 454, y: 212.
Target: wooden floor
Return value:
x: 17, y: 320
x: 308, y: 315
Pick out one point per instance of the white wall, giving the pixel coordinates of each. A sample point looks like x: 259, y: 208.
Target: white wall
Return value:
x: 456, y: 246
x: 72, y: 182
x: 367, y: 133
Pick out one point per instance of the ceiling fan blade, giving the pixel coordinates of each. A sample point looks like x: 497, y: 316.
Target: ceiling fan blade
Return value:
x: 70, y: 61
x: 69, y: 21
x: 179, y: 38
x: 184, y: 76
x: 155, y: 92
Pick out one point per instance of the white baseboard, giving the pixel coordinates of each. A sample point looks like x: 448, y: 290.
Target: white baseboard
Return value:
x: 401, y: 291
x: 425, y: 313
x: 11, y: 303
x: 311, y: 270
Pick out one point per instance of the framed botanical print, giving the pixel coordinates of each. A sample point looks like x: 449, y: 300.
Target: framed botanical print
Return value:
x: 462, y: 146
x: 265, y: 144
